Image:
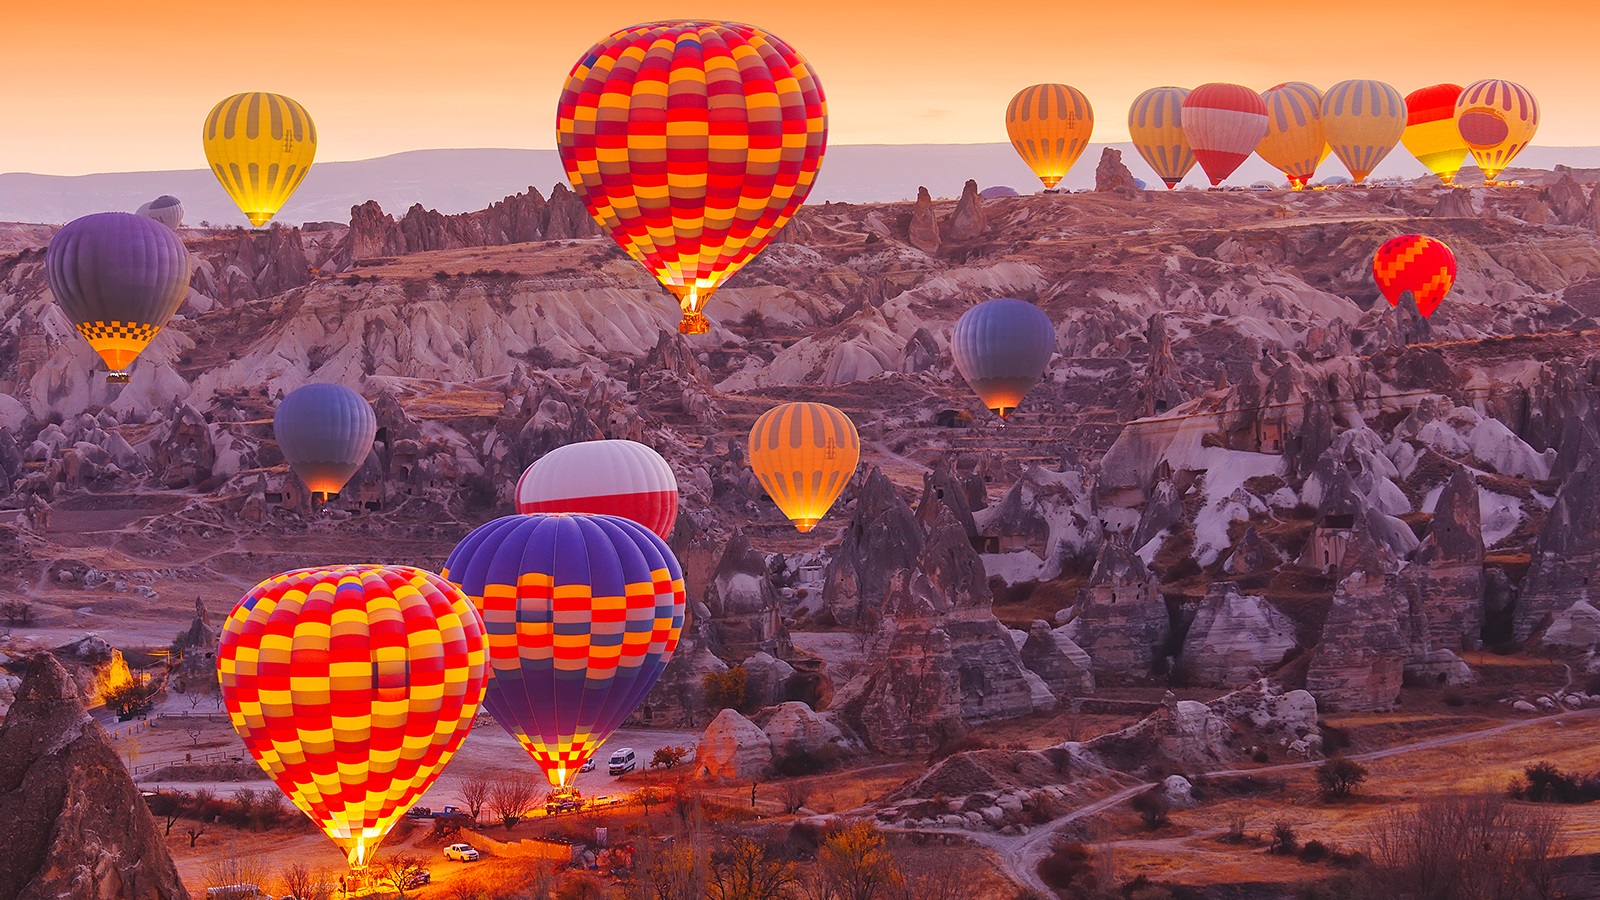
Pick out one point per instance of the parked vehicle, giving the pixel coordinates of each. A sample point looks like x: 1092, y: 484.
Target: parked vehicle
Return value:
x: 418, y: 879
x: 622, y: 761
x: 588, y: 765
x: 236, y: 892
x: 462, y: 852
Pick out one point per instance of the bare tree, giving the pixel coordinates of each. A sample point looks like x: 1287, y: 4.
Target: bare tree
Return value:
x: 746, y: 871
x: 510, y: 798
x: 302, y: 882
x: 794, y: 795
x: 679, y: 872
x: 1471, y: 847
x: 855, y: 864
x: 933, y: 874
x: 473, y: 795
x: 233, y: 867
x: 399, y: 872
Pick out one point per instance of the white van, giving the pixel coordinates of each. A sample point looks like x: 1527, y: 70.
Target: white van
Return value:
x: 622, y: 761
x: 235, y: 892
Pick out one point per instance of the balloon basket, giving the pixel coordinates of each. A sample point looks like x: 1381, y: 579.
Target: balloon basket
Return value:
x: 694, y: 323
x: 117, y: 378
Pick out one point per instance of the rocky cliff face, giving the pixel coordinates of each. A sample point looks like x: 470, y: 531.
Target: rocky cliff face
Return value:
x: 77, y: 825
x: 514, y: 220
x: 1448, y: 570
x: 1120, y: 619
x: 1235, y: 638
x: 1359, y: 662
x: 1555, y: 603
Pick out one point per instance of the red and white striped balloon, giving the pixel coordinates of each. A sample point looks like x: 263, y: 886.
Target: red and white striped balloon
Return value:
x: 1224, y: 124
x: 618, y: 478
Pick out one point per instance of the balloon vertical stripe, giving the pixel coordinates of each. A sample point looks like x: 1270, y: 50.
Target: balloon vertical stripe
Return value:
x: 1497, y: 119
x: 1155, y: 123
x: 1294, y: 144
x: 260, y: 146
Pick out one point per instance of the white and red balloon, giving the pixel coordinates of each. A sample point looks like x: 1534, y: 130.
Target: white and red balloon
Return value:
x: 619, y: 478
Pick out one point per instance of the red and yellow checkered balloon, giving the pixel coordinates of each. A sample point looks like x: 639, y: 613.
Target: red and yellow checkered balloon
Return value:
x: 352, y: 686
x: 1421, y: 265
x: 692, y: 143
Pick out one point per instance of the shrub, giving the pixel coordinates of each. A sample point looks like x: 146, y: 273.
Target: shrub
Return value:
x: 1285, y: 840
x: 1069, y: 865
x: 725, y: 690
x: 1544, y: 783
x: 1152, y: 807
x: 808, y: 762
x: 1338, y: 777
x: 1314, y: 852
x: 17, y: 612
x: 667, y: 757
x: 1261, y: 756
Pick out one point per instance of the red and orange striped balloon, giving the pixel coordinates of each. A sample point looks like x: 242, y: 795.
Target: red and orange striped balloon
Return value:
x: 692, y: 143
x: 352, y: 686
x: 1421, y: 265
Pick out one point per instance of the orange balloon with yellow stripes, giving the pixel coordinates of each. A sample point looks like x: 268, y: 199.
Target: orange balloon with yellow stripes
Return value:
x: 804, y: 454
x: 352, y: 686
x: 1050, y: 126
x: 692, y: 143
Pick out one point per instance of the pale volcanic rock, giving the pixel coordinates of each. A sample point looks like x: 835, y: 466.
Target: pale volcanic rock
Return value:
x: 766, y: 679
x: 733, y: 747
x: 969, y: 221
x: 1051, y: 515
x: 1112, y: 175
x: 857, y: 349
x: 1120, y: 619
x: 793, y: 728
x: 677, y: 700
x: 1359, y: 662
x: 1557, y: 587
x: 78, y: 826
x: 924, y: 229
x: 1252, y: 555
x: 1456, y: 203
x: 743, y: 602
x: 1448, y: 570
x: 1235, y: 638
x: 883, y: 536
x: 1061, y: 664
x: 1462, y: 433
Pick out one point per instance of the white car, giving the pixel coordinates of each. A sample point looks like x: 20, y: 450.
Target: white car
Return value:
x: 588, y: 765
x: 463, y: 852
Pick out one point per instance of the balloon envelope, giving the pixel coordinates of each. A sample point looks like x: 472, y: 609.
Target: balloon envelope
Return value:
x: 1224, y: 124
x: 1155, y: 123
x: 804, y: 455
x: 1421, y: 265
x: 119, y: 277
x: 260, y: 146
x: 1001, y: 347
x: 325, y: 432
x: 692, y: 143
x: 1497, y: 119
x: 1363, y: 121
x: 619, y: 478
x: 1049, y: 125
x: 582, y: 614
x: 352, y: 686
x: 1294, y: 144
x: 166, y: 209
x: 1431, y: 133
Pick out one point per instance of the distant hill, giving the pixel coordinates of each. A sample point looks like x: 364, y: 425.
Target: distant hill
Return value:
x: 454, y: 181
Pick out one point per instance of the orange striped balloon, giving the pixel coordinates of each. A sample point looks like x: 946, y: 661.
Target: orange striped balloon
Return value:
x: 1155, y: 122
x: 804, y: 454
x: 1050, y: 125
x: 1294, y: 144
x: 692, y: 143
x: 1497, y: 119
x: 352, y: 686
x: 1363, y: 120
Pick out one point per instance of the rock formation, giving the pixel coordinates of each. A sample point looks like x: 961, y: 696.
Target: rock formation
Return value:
x: 78, y: 825
x: 1063, y: 666
x: 744, y: 603
x: 733, y: 747
x: 1112, y: 175
x: 794, y: 730
x: 883, y: 537
x: 1359, y: 662
x: 1448, y: 570
x: 924, y: 233
x: 1120, y: 619
x: 1555, y: 604
x: 1235, y: 638
x: 968, y: 222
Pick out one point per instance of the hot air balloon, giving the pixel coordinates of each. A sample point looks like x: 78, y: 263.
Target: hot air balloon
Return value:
x: 119, y: 277
x: 1431, y: 133
x: 1496, y: 119
x: 692, y: 143
x: 1001, y: 347
x: 1363, y: 120
x: 619, y: 478
x: 166, y: 209
x: 352, y: 686
x: 1421, y: 265
x: 804, y: 454
x: 1224, y: 124
x: 260, y: 146
x: 325, y: 432
x: 1155, y: 122
x: 1294, y: 144
x: 582, y: 614
x: 1050, y: 124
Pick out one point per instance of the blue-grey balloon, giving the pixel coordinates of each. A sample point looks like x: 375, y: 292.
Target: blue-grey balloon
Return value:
x: 166, y: 209
x: 1001, y: 347
x: 325, y: 432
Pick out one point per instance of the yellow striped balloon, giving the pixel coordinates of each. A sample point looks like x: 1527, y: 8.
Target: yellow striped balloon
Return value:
x: 1363, y: 120
x: 1155, y: 122
x: 1050, y: 125
x: 1294, y: 144
x: 1497, y: 119
x: 260, y: 147
x: 804, y: 454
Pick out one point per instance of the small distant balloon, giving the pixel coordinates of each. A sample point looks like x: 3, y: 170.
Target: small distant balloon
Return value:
x: 260, y: 146
x: 166, y: 209
x: 1415, y: 264
x: 1224, y: 123
x: 1155, y: 122
x: 1431, y: 133
x: 1294, y: 144
x: 1497, y: 119
x: 1050, y: 125
x: 1363, y: 121
x: 325, y: 432
x: 1002, y: 347
x: 119, y: 277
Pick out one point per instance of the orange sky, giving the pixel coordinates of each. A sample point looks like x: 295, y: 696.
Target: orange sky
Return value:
x: 109, y: 85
